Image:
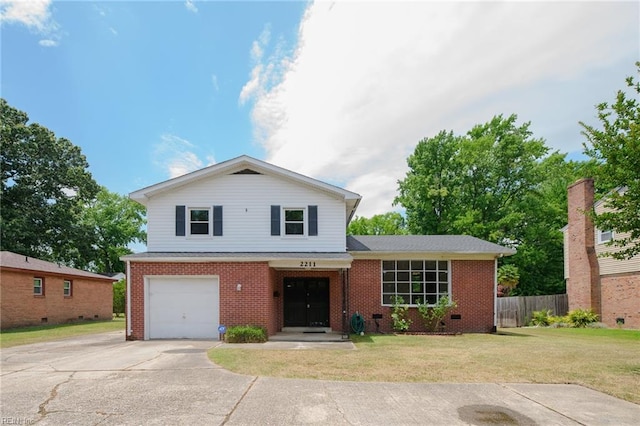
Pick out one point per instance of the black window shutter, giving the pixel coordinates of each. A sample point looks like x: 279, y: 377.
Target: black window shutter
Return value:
x: 180, y: 221
x: 313, y: 220
x: 275, y: 220
x: 217, y: 221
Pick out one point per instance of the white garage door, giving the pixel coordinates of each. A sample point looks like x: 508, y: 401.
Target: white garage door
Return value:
x: 182, y: 307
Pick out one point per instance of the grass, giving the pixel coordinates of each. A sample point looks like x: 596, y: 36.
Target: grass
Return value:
x: 607, y: 360
x: 45, y: 333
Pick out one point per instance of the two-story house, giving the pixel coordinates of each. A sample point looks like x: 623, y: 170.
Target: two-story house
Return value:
x: 247, y: 242
x: 594, y: 280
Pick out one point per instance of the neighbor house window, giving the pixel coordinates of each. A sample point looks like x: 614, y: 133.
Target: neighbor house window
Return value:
x: 294, y: 221
x: 66, y: 288
x: 416, y: 281
x: 199, y: 221
x: 38, y: 287
x: 604, y: 236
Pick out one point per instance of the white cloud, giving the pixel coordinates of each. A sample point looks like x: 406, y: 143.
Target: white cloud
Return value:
x: 191, y: 7
x: 32, y: 13
x: 177, y: 157
x: 369, y: 80
x: 48, y: 43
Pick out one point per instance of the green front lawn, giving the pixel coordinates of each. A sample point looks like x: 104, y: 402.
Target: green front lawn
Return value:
x: 607, y: 360
x: 44, y: 333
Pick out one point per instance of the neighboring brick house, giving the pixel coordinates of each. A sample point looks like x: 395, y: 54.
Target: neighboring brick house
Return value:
x: 608, y: 286
x: 34, y: 292
x: 247, y: 242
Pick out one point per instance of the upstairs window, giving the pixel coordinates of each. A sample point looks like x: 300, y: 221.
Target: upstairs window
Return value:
x: 199, y: 221
x: 38, y: 287
x: 604, y: 236
x: 66, y: 288
x: 294, y: 221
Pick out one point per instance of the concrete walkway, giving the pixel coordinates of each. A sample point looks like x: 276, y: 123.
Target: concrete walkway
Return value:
x: 103, y: 380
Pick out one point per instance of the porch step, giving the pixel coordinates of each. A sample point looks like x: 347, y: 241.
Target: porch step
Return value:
x: 290, y: 336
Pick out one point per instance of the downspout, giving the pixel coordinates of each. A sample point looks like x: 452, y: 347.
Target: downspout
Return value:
x: 128, y: 319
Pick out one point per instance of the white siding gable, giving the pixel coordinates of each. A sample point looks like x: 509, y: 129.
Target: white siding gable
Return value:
x: 246, y: 200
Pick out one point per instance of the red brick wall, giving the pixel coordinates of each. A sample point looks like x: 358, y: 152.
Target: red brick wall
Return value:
x: 252, y: 305
x: 621, y: 299
x: 90, y: 299
x: 583, y: 284
x: 472, y: 288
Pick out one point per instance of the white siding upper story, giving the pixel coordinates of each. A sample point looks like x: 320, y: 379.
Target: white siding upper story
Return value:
x: 609, y: 265
x: 246, y: 201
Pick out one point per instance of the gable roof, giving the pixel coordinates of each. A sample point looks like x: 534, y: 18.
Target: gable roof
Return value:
x: 245, y: 164
x: 436, y: 244
x: 12, y: 260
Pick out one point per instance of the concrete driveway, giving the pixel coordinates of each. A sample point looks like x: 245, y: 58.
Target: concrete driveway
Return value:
x: 103, y: 380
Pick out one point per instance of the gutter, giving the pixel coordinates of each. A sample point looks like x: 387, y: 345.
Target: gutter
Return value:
x: 128, y: 319
x: 495, y: 295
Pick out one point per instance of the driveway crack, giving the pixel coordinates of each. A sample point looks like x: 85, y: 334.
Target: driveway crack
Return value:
x: 42, y: 408
x: 230, y: 413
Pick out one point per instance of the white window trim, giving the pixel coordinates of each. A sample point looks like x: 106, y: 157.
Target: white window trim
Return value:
x: 305, y: 223
x: 64, y: 293
x: 209, y: 222
x: 599, y: 236
x: 41, y: 286
x: 413, y: 305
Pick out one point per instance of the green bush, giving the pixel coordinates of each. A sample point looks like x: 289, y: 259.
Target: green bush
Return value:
x: 582, y: 317
x: 119, y: 291
x: 399, y: 315
x: 541, y: 318
x: 246, y: 334
x: 433, y: 315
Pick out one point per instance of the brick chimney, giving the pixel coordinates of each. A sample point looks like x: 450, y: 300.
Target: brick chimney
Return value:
x: 583, y: 284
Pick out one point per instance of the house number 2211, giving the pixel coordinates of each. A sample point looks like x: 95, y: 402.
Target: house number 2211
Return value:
x: 306, y: 264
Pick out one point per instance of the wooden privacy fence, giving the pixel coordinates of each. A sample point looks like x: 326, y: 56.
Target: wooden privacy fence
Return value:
x: 516, y: 311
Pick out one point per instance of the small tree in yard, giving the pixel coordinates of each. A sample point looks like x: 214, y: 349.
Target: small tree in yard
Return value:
x: 508, y: 279
x: 433, y: 315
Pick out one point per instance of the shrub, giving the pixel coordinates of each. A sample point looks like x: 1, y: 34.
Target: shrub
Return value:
x: 541, y: 318
x: 433, y: 315
x: 119, y: 291
x: 399, y: 315
x: 582, y: 317
x: 246, y: 334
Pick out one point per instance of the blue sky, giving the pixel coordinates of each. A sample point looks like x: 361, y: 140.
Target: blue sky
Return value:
x: 340, y: 91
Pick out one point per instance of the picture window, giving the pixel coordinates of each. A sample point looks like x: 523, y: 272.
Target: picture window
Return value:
x: 416, y: 281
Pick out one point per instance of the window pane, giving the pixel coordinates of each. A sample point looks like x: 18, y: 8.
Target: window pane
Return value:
x: 294, y: 215
x: 415, y: 299
x: 442, y: 265
x: 430, y: 265
x: 417, y: 287
x: 431, y: 287
x: 199, y: 228
x: 388, y: 287
x: 430, y: 276
x: 387, y: 299
x: 403, y: 276
x: 388, y: 276
x: 199, y: 215
x: 417, y: 265
x: 405, y: 297
x: 403, y: 265
x: 444, y: 288
x: 442, y: 276
x: 388, y: 265
x: 403, y: 288
x: 431, y: 299
x: 294, y: 228
x: 417, y: 276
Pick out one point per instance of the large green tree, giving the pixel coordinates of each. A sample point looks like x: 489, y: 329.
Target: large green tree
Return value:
x: 45, y: 184
x: 616, y: 148
x: 115, y: 221
x: 391, y: 223
x: 499, y: 183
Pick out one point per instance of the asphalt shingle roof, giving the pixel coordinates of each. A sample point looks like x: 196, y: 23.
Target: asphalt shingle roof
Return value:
x: 424, y: 244
x: 19, y: 261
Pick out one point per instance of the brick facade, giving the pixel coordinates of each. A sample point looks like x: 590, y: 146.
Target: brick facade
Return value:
x: 90, y: 299
x: 611, y: 296
x: 260, y: 302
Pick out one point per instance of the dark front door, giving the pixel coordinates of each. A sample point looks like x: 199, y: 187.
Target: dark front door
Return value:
x: 306, y: 302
